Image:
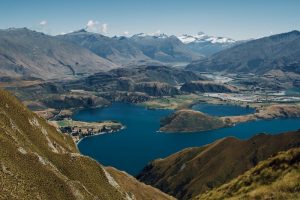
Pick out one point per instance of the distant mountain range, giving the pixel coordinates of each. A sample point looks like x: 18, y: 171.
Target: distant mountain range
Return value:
x: 29, y: 54
x: 278, y: 52
x: 164, y: 48
x: 25, y: 53
x: 138, y: 49
x: 119, y: 50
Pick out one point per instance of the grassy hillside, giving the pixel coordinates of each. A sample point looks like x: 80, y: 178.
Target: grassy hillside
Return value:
x: 37, y: 162
x: 275, y: 178
x: 194, y: 171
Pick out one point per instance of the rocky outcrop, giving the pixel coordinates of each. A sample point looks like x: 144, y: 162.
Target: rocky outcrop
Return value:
x: 156, y: 89
x: 75, y: 101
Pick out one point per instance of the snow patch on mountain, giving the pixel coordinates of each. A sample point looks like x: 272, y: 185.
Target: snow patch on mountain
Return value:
x: 157, y: 35
x: 202, y: 37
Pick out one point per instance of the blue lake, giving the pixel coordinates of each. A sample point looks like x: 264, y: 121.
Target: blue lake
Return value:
x: 132, y: 148
x: 223, y: 110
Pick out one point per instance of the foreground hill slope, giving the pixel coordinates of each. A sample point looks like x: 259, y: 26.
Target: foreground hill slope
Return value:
x: 193, y: 171
x: 37, y: 162
x: 277, y: 52
x: 25, y: 53
x: 275, y: 178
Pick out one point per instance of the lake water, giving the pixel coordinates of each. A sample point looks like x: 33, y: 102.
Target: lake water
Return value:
x: 223, y: 110
x: 132, y: 148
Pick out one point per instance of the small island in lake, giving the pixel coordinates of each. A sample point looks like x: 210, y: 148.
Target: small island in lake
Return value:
x: 190, y: 121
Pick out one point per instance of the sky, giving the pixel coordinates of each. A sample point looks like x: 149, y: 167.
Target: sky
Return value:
x: 237, y: 19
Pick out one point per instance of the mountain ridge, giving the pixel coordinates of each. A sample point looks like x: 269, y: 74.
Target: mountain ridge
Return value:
x: 276, y: 52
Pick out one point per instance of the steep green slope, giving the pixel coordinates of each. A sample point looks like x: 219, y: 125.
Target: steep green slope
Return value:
x: 275, y: 178
x: 193, y: 171
x: 37, y: 162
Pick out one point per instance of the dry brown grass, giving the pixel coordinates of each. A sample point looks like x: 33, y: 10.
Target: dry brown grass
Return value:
x: 275, y: 178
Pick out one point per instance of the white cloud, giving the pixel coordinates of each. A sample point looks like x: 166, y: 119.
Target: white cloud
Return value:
x: 126, y: 33
x: 104, y: 28
x: 43, y: 23
x: 96, y: 27
x: 92, y: 26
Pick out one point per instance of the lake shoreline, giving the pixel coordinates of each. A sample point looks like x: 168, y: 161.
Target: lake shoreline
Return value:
x: 141, y: 141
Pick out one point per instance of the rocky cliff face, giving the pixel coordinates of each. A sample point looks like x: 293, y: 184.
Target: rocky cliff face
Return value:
x: 36, y: 161
x: 156, y: 89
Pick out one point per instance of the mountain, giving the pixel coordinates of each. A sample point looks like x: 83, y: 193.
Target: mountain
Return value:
x: 278, y: 52
x: 193, y: 171
x: 37, y: 162
x: 140, y: 49
x: 205, y: 44
x: 164, y: 48
x: 275, y: 178
x: 25, y: 53
x: 120, y: 50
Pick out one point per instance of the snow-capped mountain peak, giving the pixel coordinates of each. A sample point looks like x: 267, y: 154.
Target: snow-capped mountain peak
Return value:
x: 202, y: 37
